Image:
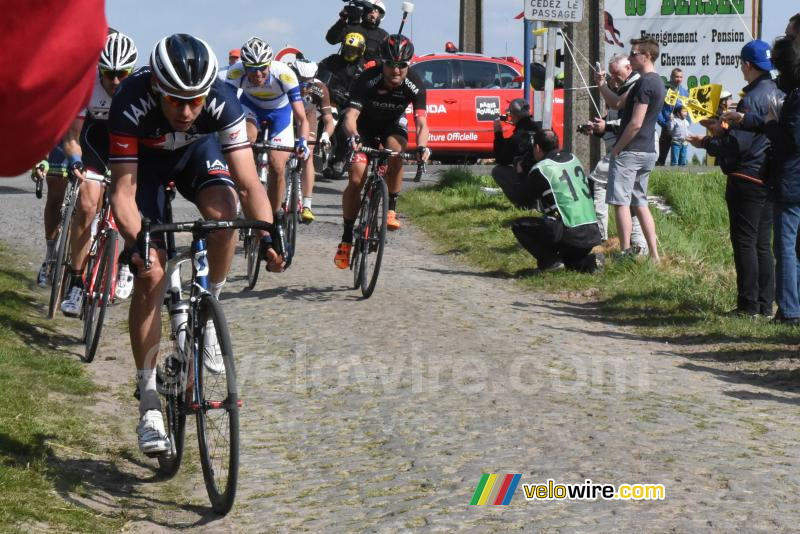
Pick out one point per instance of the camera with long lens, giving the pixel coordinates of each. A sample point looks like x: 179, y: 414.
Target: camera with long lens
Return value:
x: 355, y: 10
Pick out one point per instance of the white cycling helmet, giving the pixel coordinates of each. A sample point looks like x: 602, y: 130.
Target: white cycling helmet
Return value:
x: 256, y: 53
x: 305, y: 69
x: 119, y: 53
x: 380, y: 6
x: 183, y: 66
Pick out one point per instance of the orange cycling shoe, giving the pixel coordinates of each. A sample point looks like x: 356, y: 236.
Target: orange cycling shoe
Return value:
x: 342, y: 258
x: 392, y: 222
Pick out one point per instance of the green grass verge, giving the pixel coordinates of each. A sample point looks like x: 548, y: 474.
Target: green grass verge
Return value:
x: 684, y: 297
x: 42, y: 395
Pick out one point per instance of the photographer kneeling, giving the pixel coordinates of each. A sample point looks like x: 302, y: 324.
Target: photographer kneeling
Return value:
x: 364, y: 17
x: 508, y: 151
x: 566, y: 234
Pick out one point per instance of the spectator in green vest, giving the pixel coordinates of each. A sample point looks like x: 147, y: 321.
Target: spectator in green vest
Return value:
x: 566, y: 233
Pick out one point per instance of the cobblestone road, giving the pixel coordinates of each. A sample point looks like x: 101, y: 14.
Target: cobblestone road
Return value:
x: 381, y: 415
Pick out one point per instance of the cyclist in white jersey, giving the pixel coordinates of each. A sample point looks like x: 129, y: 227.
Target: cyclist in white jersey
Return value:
x: 86, y: 150
x: 270, y: 96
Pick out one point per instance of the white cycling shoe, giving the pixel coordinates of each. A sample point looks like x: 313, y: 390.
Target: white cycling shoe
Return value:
x: 124, y: 282
x: 71, y: 307
x: 152, y: 436
x: 43, y: 279
x: 212, y: 353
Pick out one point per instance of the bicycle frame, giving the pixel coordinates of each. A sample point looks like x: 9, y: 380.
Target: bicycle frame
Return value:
x: 104, y: 226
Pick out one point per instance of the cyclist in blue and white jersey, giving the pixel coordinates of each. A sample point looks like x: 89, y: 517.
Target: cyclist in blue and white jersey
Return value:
x: 175, y: 121
x: 86, y: 150
x: 270, y: 95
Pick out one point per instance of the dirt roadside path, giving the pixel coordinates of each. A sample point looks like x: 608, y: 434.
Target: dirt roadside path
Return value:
x: 381, y: 415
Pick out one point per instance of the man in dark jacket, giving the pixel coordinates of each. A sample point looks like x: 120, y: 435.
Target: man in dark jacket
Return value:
x: 742, y: 156
x: 508, y: 151
x: 566, y: 234
x: 338, y: 72
x: 372, y: 14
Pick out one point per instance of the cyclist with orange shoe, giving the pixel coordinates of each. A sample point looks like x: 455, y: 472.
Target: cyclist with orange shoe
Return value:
x: 376, y: 116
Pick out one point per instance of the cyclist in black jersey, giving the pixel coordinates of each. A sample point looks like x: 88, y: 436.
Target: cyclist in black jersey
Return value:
x: 376, y: 116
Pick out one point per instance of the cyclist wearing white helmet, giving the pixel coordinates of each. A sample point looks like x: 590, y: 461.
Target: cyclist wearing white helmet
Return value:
x: 174, y: 121
x: 317, y: 104
x: 372, y: 13
x: 86, y: 150
x: 271, y: 99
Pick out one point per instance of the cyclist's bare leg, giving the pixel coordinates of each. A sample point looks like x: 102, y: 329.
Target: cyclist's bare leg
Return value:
x: 252, y: 131
x: 218, y: 202
x: 56, y: 187
x: 307, y: 177
x: 89, y: 199
x: 394, y: 171
x: 352, y: 193
x: 144, y: 318
x: 276, y: 183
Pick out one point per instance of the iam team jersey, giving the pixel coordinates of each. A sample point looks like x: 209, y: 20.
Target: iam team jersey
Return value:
x: 280, y: 87
x: 374, y: 100
x: 136, y: 120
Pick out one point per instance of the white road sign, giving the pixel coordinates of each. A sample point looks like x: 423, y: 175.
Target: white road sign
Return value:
x: 554, y: 10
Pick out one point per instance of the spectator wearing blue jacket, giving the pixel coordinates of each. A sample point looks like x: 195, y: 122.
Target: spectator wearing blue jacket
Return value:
x: 781, y: 124
x: 667, y: 111
x: 742, y: 156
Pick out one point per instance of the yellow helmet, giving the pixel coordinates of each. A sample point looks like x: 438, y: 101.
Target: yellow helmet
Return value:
x: 353, y: 46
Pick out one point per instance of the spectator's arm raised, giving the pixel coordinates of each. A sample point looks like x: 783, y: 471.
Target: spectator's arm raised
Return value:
x: 612, y: 99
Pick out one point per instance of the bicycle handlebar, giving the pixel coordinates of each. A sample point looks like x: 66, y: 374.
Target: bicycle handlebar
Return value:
x: 200, y: 227
x: 266, y: 145
x: 408, y: 156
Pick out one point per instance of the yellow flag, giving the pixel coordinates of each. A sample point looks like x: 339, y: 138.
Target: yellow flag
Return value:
x: 703, y: 101
x: 672, y: 97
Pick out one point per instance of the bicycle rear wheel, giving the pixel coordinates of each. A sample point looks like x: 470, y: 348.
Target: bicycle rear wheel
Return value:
x: 60, y: 271
x: 218, y: 412
x: 100, y: 294
x: 374, y: 238
x: 171, y: 376
x: 251, y: 249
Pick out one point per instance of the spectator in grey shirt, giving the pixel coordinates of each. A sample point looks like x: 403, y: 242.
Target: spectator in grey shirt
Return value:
x: 634, y: 154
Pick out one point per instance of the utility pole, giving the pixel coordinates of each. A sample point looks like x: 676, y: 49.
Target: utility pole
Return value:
x: 470, y: 26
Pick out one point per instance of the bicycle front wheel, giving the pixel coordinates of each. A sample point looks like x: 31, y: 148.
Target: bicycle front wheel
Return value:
x: 172, y: 380
x: 293, y: 214
x: 374, y: 238
x: 251, y: 246
x: 60, y: 271
x: 218, y: 410
x: 100, y: 288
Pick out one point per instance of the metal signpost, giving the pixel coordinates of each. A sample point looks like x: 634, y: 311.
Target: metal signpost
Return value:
x: 553, y: 12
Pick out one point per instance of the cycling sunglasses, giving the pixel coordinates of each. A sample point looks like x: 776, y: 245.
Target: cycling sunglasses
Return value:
x: 111, y: 74
x: 257, y: 68
x: 176, y: 102
x: 396, y: 64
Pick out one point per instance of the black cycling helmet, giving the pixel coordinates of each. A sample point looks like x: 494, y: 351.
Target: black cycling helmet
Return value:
x: 397, y: 47
x: 183, y: 66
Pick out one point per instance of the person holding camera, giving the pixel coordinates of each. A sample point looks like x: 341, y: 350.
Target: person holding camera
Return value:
x: 508, y: 151
x: 565, y: 235
x: 364, y: 17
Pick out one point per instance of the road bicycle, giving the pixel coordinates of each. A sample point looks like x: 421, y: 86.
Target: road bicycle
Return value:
x: 187, y: 385
x: 369, y: 230
x: 59, y: 269
x: 100, y: 274
x: 288, y: 216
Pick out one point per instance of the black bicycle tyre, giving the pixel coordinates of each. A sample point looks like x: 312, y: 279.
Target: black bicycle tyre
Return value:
x: 356, y: 263
x: 251, y: 246
x: 60, y: 264
x: 293, y: 215
x: 377, y: 212
x: 103, y: 285
x: 86, y: 313
x: 221, y: 497
x: 173, y: 388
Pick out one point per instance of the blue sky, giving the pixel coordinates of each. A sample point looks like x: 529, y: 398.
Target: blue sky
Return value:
x: 303, y: 23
